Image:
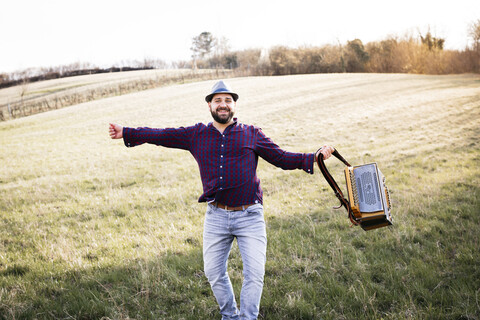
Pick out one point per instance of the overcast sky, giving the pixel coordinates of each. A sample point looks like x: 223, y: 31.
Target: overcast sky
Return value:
x: 37, y: 33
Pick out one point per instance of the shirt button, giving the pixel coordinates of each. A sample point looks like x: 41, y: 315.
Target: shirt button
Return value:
x: 221, y: 177
x: 221, y: 167
x: 222, y: 145
x: 221, y: 156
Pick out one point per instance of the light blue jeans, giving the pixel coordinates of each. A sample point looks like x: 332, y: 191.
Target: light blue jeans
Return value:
x: 221, y: 227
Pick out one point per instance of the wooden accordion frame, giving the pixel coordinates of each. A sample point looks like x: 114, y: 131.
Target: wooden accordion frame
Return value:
x: 368, y: 203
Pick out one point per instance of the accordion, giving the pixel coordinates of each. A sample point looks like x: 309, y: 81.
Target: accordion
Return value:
x: 368, y: 203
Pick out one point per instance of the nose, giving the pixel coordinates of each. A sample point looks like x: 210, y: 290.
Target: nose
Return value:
x: 222, y: 104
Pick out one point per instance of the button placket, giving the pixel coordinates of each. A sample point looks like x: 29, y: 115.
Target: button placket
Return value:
x: 222, y: 162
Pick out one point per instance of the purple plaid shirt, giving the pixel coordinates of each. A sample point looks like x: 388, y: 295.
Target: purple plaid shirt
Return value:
x: 227, y: 161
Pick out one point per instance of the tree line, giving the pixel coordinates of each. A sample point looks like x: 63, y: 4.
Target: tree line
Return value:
x: 424, y: 54
x: 74, y: 69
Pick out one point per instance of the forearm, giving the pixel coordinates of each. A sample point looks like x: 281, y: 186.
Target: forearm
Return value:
x: 168, y: 137
x: 288, y: 160
x: 136, y: 136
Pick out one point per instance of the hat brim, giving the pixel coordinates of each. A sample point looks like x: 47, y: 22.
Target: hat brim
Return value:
x: 210, y: 96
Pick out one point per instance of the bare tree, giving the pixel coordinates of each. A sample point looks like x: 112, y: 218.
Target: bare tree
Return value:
x: 431, y: 42
x: 202, y: 46
x: 474, y: 32
x: 221, y: 46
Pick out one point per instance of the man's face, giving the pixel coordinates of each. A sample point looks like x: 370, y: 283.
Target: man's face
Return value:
x: 222, y: 107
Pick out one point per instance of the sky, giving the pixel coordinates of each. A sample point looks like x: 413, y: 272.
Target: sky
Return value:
x: 49, y: 33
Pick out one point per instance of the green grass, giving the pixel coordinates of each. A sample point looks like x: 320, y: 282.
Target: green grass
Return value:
x: 92, y: 230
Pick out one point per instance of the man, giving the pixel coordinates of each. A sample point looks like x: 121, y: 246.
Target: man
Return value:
x: 227, y: 154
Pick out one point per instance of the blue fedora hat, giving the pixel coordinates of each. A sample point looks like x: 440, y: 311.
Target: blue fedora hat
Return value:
x: 221, y: 87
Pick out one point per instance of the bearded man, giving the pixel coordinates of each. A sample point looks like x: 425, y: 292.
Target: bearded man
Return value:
x: 227, y: 155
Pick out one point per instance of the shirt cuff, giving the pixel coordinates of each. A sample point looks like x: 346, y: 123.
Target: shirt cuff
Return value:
x: 309, y: 162
x: 127, y: 137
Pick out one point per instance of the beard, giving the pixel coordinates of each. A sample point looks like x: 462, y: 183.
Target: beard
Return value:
x: 224, y: 118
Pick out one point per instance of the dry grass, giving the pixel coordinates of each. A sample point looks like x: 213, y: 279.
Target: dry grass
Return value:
x: 31, y: 98
x: 91, y: 229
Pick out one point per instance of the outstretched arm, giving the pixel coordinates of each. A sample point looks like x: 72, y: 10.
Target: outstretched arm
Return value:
x: 115, y: 131
x: 179, y: 138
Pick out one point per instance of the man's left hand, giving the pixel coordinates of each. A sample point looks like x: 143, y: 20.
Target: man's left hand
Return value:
x: 326, y: 151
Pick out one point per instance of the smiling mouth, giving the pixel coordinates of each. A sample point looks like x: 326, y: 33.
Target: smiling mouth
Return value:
x: 222, y: 115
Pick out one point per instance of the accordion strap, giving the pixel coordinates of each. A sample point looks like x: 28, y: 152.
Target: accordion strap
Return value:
x: 333, y: 184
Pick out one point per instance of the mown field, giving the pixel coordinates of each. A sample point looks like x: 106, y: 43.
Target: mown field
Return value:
x: 92, y: 230
x: 37, y: 97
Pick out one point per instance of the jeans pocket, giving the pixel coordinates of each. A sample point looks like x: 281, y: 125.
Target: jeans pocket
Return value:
x: 256, y: 209
x: 210, y: 209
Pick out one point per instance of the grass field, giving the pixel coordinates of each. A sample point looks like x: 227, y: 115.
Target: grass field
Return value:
x: 92, y: 230
x: 37, y: 97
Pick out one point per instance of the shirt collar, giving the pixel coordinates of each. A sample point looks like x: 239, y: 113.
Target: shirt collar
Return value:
x: 234, y: 124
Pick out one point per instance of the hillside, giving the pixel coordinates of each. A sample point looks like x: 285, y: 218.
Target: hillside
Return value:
x: 92, y: 229
x: 36, y: 97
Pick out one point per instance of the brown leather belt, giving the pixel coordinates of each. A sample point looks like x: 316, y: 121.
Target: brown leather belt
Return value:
x: 222, y: 206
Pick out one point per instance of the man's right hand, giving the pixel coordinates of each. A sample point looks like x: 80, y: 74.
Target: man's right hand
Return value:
x: 115, y: 131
